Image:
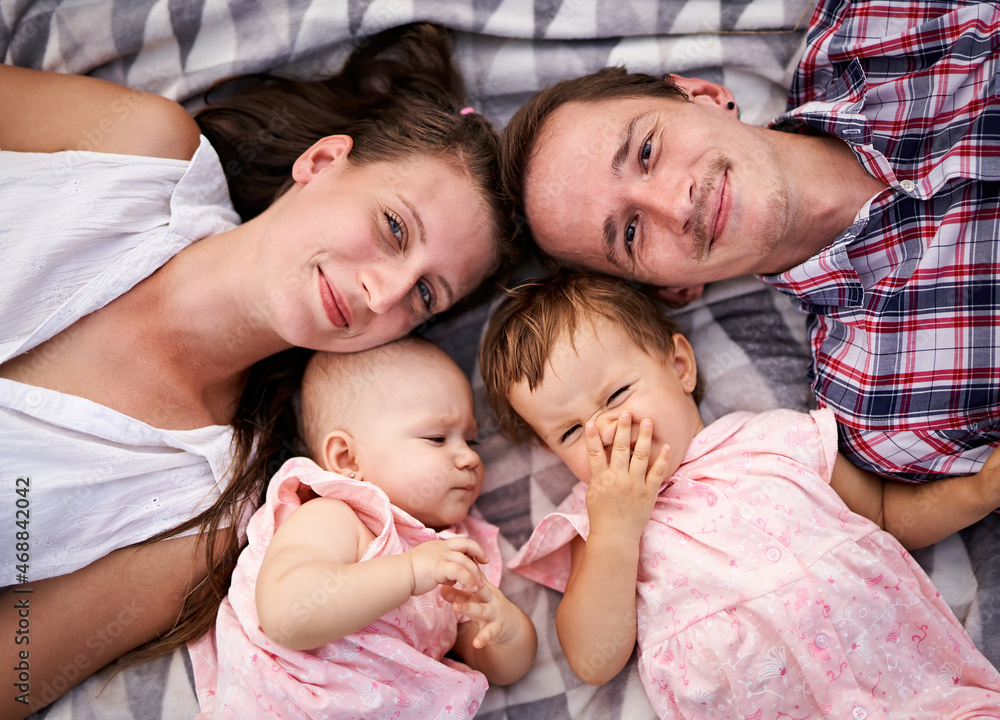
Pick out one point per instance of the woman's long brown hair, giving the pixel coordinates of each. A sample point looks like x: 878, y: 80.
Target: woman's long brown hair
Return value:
x: 398, y: 95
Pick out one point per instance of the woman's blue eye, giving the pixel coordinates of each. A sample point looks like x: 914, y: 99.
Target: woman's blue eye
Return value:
x: 629, y: 237
x: 394, y: 225
x: 644, y: 153
x: 427, y: 296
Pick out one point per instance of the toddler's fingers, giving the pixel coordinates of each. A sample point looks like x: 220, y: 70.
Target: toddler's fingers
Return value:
x: 485, y: 636
x: 595, y: 450
x: 658, y: 472
x: 621, y: 450
x: 454, y: 595
x: 640, y: 455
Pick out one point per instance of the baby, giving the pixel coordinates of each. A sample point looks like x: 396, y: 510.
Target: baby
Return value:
x: 752, y: 589
x: 362, y: 569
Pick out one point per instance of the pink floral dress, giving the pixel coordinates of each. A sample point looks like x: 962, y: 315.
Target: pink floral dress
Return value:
x: 760, y: 595
x: 394, y: 668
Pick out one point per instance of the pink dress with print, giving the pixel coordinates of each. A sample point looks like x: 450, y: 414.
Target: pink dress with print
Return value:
x: 760, y: 595
x: 395, y: 667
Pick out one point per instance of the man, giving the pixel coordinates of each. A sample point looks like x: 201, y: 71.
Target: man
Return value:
x: 877, y: 207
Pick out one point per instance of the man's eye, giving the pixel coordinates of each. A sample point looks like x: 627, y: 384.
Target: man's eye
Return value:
x: 629, y: 237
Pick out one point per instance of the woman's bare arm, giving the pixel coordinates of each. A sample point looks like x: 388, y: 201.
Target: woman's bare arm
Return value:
x: 77, y: 623
x: 50, y: 112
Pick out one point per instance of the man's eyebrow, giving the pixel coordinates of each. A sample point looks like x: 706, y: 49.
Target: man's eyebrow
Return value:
x: 617, y: 170
x: 611, y: 239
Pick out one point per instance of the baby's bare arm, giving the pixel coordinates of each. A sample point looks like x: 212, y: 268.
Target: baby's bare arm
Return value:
x: 311, y: 589
x: 499, y: 640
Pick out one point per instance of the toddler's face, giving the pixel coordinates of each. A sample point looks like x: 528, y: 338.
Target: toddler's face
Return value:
x: 417, y: 441
x: 597, y: 377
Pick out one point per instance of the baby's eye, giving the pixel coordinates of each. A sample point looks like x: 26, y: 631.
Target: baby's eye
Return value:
x: 472, y: 442
x: 436, y: 439
x: 569, y: 433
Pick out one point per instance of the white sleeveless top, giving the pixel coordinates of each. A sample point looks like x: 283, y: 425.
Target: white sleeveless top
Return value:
x: 77, y: 230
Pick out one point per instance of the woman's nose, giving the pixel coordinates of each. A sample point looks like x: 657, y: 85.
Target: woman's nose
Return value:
x: 385, y: 287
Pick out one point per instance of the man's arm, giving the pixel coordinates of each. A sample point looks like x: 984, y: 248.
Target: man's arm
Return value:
x: 919, y: 514
x: 50, y: 112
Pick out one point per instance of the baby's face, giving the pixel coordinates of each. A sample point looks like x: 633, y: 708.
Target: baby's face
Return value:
x: 597, y: 377
x: 417, y: 441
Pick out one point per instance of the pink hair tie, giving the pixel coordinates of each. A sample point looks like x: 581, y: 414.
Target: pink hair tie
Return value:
x: 466, y: 111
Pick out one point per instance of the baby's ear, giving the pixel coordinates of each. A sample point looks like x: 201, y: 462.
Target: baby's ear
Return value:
x: 337, y: 455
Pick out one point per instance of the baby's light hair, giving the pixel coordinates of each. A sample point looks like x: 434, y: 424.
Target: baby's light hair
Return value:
x: 336, y: 387
x: 535, y: 316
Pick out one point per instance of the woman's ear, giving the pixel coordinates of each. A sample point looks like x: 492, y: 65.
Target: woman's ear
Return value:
x: 324, y: 153
x: 337, y: 455
x: 699, y: 90
x: 684, y: 363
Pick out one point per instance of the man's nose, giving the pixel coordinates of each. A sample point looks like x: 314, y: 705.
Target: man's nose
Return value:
x: 668, y: 201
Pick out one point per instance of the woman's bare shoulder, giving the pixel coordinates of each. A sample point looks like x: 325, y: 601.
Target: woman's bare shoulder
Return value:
x: 50, y: 112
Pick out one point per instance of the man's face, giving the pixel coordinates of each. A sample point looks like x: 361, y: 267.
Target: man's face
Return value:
x: 662, y: 191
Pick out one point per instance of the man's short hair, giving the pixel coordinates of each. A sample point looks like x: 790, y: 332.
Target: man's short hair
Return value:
x: 521, y: 135
x: 535, y: 316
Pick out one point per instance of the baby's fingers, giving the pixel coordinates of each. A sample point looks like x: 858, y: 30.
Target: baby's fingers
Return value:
x: 469, y: 547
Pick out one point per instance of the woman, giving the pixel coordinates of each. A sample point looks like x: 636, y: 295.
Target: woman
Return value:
x: 139, y: 318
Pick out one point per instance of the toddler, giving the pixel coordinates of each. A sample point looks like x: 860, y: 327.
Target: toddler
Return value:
x: 752, y: 589
x: 362, y: 569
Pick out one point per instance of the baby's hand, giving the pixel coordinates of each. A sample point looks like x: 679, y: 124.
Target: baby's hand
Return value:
x: 496, y: 618
x: 623, y: 490
x: 446, y: 562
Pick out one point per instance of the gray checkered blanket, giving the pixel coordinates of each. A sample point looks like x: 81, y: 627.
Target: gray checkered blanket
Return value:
x: 749, y: 339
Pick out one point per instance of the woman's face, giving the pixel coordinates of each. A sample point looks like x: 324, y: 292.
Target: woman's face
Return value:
x: 360, y: 255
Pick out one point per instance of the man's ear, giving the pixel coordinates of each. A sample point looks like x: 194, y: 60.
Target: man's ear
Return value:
x: 323, y: 153
x: 681, y: 295
x: 699, y: 90
x: 337, y: 454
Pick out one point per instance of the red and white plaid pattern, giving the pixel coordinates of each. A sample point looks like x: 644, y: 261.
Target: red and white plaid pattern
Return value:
x: 904, y: 305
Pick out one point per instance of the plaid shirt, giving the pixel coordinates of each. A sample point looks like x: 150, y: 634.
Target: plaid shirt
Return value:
x: 905, y: 305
